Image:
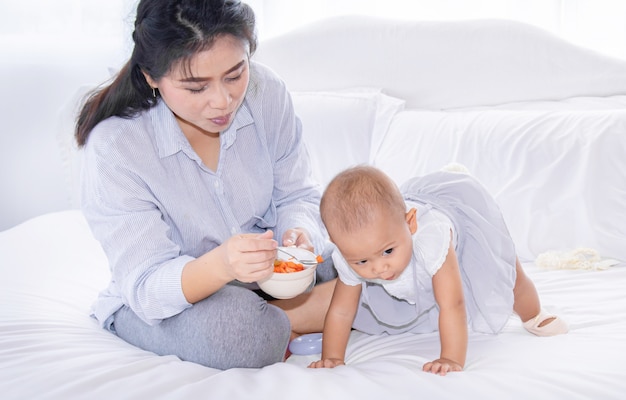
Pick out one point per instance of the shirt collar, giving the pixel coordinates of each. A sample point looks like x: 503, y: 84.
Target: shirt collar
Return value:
x: 243, y: 118
x: 170, y: 139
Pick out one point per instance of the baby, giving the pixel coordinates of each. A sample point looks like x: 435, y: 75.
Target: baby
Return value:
x: 435, y: 255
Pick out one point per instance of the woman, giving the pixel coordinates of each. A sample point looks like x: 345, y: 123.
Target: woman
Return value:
x: 194, y: 172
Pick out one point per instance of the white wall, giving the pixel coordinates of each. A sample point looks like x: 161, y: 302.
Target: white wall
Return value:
x: 597, y: 24
x: 45, y: 58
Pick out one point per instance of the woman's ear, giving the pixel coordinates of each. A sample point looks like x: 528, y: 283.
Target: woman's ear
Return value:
x: 149, y: 79
x: 411, y: 220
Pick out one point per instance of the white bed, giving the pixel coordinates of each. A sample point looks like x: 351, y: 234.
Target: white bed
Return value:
x: 541, y: 122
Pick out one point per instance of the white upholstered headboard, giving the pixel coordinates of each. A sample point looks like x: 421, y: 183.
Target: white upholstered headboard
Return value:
x: 454, y: 63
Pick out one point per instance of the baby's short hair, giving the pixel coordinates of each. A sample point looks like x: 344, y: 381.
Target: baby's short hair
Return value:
x: 356, y: 195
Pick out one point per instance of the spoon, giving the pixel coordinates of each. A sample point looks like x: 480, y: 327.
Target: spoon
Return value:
x: 297, y: 259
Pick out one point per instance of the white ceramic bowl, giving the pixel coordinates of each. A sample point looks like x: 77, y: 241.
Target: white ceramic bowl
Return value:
x: 285, y: 285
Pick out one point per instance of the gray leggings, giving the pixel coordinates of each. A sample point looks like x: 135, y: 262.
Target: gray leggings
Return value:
x: 232, y: 328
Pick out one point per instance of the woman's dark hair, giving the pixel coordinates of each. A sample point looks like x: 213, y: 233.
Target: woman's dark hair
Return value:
x: 166, y: 32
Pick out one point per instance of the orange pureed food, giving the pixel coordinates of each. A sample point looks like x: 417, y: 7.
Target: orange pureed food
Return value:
x: 282, y: 266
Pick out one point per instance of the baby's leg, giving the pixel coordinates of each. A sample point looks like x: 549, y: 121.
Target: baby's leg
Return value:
x: 526, y: 300
x: 528, y: 306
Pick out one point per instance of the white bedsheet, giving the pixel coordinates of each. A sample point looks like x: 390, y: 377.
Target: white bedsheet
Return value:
x: 51, y: 270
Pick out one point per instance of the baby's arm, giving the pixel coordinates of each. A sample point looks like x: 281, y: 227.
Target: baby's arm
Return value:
x: 338, y: 324
x: 448, y: 291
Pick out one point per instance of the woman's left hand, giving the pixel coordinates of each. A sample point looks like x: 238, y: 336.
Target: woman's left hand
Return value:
x: 297, y: 237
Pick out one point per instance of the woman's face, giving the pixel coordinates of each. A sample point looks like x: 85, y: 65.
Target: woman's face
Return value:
x: 205, y: 94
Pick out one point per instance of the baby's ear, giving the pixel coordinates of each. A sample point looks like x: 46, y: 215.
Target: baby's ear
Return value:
x: 411, y: 220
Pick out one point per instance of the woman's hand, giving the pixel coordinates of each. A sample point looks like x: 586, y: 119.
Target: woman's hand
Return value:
x: 327, y: 363
x: 250, y: 257
x: 297, y: 237
x: 247, y: 257
x: 442, y: 366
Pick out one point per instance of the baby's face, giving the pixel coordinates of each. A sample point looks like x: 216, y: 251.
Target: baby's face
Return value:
x: 380, y: 251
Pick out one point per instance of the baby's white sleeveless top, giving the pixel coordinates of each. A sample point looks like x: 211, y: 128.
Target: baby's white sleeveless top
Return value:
x: 432, y: 240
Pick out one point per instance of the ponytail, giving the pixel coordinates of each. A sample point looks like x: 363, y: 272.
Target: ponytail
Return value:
x: 124, y: 97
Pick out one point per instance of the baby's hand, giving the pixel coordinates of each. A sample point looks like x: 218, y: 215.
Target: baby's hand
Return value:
x: 327, y: 363
x: 442, y: 366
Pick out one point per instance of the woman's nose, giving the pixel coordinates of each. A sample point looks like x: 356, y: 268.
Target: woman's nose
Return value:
x: 219, y: 98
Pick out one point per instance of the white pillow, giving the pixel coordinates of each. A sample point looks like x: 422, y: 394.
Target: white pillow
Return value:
x: 441, y: 64
x: 71, y: 155
x: 343, y: 128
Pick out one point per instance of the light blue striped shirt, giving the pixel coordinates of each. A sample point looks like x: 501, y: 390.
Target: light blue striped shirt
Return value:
x: 154, y: 206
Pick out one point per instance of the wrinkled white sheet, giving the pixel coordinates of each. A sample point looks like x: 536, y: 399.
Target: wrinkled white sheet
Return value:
x: 51, y: 270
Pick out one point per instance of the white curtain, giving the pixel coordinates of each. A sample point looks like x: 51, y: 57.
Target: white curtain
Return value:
x: 597, y: 24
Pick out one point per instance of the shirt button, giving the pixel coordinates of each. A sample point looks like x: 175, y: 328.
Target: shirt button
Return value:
x: 233, y: 230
